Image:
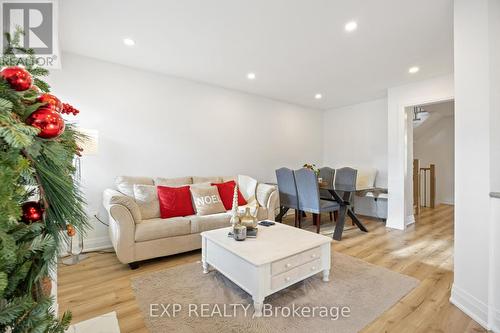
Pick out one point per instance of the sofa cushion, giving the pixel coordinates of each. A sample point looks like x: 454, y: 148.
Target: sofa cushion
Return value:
x: 125, y: 184
x: 200, y: 185
x: 174, y: 201
x: 162, y: 228
x: 146, y: 198
x: 209, y: 222
x: 229, y: 178
x: 197, y: 180
x: 173, y: 182
x: 206, y: 200
x: 226, y: 192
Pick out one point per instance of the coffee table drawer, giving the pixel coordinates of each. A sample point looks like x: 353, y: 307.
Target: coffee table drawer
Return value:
x: 295, y: 274
x: 286, y: 264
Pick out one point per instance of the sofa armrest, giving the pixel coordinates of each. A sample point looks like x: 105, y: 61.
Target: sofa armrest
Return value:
x: 123, y: 215
x: 122, y: 233
x: 267, y: 196
x: 112, y: 197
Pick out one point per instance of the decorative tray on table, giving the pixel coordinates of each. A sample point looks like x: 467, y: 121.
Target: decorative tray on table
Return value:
x: 251, y: 233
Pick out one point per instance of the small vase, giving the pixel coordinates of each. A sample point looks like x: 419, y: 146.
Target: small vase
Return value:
x: 239, y: 232
x: 248, y: 220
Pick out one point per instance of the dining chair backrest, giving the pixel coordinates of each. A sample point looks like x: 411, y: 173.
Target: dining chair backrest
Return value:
x: 287, y: 188
x: 307, y: 190
x: 327, y: 174
x: 346, y: 177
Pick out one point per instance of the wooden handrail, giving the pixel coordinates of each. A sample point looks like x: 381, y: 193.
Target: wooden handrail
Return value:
x: 416, y: 186
x: 420, y: 189
x: 432, y: 170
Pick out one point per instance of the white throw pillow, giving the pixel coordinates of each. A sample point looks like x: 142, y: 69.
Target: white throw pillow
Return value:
x: 146, y: 197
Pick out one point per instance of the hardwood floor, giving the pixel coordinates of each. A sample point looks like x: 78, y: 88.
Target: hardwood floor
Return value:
x: 101, y: 283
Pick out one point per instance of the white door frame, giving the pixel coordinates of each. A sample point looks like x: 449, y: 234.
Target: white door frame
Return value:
x: 400, y: 203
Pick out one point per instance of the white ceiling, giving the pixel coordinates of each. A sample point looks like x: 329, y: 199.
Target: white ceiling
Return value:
x: 296, y: 48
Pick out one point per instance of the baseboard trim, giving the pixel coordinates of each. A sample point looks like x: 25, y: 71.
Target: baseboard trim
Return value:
x: 96, y: 244
x: 470, y: 305
x: 409, y: 220
x: 494, y: 323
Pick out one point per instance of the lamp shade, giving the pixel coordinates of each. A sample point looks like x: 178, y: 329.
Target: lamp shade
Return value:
x: 90, y: 144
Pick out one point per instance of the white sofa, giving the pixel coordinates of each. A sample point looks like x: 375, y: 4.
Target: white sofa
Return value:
x: 135, y: 239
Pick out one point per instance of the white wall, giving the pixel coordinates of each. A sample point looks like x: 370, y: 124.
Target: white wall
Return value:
x: 400, y: 205
x: 494, y: 36
x: 476, y: 258
x: 156, y: 125
x: 435, y: 145
x: 408, y: 186
x: 356, y: 136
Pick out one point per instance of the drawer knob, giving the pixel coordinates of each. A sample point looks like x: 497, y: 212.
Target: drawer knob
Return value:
x: 287, y: 278
x: 313, y: 268
x: 288, y: 265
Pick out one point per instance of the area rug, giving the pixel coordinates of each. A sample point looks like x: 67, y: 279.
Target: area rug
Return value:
x: 183, y: 299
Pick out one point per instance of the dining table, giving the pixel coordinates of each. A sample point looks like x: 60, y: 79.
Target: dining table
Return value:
x: 342, y: 194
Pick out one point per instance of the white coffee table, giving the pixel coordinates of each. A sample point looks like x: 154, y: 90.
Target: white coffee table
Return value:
x: 280, y: 256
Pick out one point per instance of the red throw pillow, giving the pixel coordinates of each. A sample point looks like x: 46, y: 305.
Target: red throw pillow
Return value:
x: 226, y: 192
x: 174, y: 201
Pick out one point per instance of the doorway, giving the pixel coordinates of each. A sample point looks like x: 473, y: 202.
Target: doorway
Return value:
x: 430, y: 148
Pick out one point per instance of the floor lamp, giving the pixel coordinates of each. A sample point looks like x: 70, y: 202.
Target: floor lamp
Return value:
x: 88, y: 146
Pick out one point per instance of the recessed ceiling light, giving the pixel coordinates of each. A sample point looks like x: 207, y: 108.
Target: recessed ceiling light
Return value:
x: 351, y: 26
x: 318, y: 96
x: 128, y: 41
x: 251, y: 76
x: 413, y: 70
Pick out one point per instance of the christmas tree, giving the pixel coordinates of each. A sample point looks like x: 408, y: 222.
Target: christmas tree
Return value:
x: 40, y: 202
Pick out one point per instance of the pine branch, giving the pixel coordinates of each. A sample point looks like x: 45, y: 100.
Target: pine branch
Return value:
x: 29, y: 164
x: 43, y: 197
x: 41, y: 84
x: 14, y: 309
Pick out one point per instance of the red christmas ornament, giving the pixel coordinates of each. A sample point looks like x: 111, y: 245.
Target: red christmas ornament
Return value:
x: 51, y: 100
x: 49, y: 122
x: 32, y: 212
x: 68, y: 108
x: 18, y: 78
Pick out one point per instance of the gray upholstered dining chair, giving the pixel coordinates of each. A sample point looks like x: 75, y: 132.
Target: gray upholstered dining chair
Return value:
x: 287, y: 190
x: 346, y: 178
x: 327, y: 175
x: 308, y: 194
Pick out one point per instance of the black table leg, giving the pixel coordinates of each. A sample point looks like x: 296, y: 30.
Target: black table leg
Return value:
x: 283, y: 211
x: 339, y: 227
x: 356, y: 220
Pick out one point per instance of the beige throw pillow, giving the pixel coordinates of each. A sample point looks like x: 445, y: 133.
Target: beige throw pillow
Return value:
x: 146, y: 197
x: 206, y: 200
